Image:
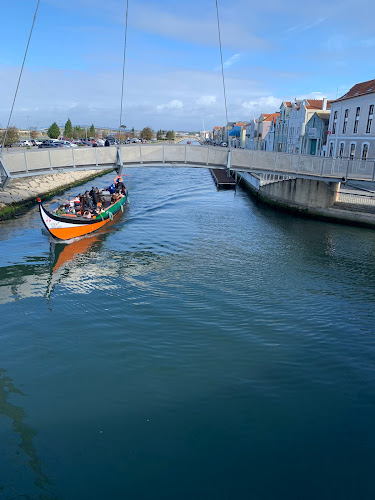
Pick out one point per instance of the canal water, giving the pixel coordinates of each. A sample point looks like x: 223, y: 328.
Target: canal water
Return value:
x: 202, y: 347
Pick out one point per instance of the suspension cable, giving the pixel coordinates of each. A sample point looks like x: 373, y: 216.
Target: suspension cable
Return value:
x: 19, y: 78
x: 123, y: 68
x: 222, y: 65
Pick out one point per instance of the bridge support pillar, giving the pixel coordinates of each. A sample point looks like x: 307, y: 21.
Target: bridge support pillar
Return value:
x: 229, y: 162
x: 4, y: 174
x: 119, y: 163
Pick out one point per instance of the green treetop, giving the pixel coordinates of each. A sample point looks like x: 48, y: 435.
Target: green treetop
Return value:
x: 68, y: 131
x: 54, y: 131
x: 147, y: 133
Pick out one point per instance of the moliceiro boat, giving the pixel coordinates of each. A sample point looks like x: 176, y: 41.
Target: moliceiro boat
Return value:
x: 65, y: 226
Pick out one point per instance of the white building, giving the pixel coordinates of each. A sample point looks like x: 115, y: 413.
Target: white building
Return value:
x: 282, y: 127
x: 269, y: 139
x: 315, y: 140
x: 302, y: 111
x: 251, y: 133
x: 351, y: 129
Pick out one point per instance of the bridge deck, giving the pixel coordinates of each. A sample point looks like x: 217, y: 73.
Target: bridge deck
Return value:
x: 44, y: 161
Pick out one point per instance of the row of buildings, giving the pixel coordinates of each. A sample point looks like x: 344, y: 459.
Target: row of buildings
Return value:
x: 341, y: 128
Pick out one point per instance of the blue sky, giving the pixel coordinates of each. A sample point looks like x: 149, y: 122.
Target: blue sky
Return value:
x: 273, y: 51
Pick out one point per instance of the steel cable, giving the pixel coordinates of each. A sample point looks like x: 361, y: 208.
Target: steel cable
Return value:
x: 19, y: 78
x: 222, y: 65
x: 123, y: 68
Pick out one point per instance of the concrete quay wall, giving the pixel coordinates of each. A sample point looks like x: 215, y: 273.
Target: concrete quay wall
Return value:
x: 21, y: 194
x: 305, y: 197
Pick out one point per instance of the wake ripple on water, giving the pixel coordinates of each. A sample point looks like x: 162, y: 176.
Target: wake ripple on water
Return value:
x: 201, y: 328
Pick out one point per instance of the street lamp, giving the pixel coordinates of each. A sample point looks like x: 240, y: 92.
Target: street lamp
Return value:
x: 28, y: 126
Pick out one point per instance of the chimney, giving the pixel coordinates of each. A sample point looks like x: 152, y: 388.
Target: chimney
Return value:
x: 324, y: 107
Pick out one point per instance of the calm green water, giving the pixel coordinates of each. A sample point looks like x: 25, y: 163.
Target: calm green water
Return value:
x: 204, y: 347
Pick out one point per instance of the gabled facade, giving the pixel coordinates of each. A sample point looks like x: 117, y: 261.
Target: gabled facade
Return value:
x: 264, y: 124
x: 351, y: 131
x: 302, y: 111
x: 251, y: 133
x: 217, y: 135
x: 269, y: 139
x: 237, y: 136
x: 315, y: 139
x: 281, y: 127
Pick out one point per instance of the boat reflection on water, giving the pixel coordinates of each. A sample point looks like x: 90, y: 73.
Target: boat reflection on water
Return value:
x: 64, y: 256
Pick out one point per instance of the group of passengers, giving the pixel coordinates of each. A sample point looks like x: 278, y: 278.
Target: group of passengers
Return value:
x: 91, y: 203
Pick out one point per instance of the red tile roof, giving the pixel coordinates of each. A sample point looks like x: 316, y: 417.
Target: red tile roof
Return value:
x: 359, y: 89
x: 288, y: 104
x: 316, y: 104
x: 272, y: 117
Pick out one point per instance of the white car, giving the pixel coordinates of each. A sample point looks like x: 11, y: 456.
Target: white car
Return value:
x: 25, y: 143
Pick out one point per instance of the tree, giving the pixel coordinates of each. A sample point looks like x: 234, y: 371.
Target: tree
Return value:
x: 13, y: 135
x: 147, y: 133
x: 53, y: 132
x: 68, y: 131
x: 170, y: 135
x: 92, y: 131
x: 77, y: 132
x: 159, y: 135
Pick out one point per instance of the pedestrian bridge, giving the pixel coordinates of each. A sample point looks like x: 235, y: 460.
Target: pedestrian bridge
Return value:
x: 47, y: 161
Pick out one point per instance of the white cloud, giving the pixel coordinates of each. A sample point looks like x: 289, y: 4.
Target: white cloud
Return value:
x: 229, y: 62
x: 206, y: 100
x: 300, y: 28
x: 268, y: 104
x: 175, y: 104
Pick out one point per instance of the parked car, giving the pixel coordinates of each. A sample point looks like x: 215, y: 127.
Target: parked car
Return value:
x: 24, y: 143
x: 66, y: 144
x: 48, y: 144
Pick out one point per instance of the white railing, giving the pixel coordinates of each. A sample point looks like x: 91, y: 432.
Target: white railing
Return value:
x: 47, y: 160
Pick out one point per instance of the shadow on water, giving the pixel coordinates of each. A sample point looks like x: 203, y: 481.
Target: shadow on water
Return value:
x: 26, y: 434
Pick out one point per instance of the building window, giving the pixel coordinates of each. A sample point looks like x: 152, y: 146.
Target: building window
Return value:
x: 341, y: 152
x: 352, y: 151
x: 345, y: 121
x: 357, y: 113
x: 364, y: 151
x: 331, y: 150
x: 334, y: 122
x: 369, y: 120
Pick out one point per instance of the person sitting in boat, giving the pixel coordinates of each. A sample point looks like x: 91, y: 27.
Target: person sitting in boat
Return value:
x: 111, y: 188
x: 77, y: 202
x: 88, y: 200
x: 60, y: 210
x: 96, y: 197
x: 119, y: 186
